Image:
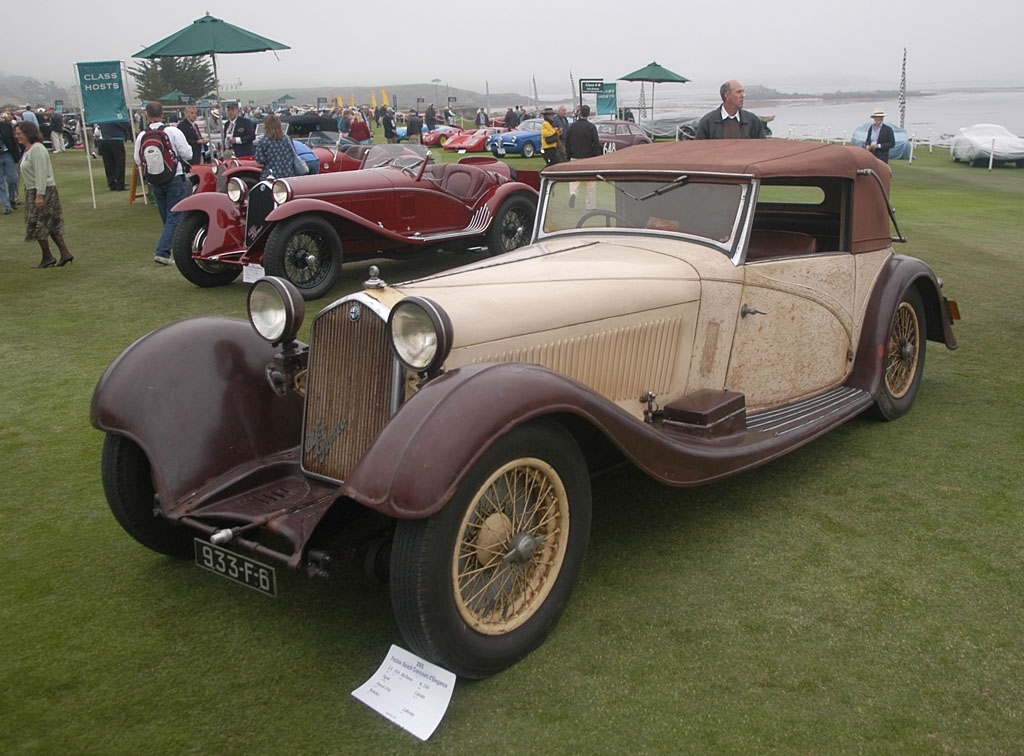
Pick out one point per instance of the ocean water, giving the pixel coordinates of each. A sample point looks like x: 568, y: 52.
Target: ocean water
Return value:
x: 934, y: 115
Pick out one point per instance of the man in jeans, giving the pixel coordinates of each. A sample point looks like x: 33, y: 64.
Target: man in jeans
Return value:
x: 176, y: 190
x: 10, y: 154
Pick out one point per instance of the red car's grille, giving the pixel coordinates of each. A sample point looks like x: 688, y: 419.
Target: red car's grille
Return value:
x: 349, y: 388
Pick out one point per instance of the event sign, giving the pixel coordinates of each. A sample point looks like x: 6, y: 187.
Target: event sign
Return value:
x: 409, y: 691
x: 607, y: 100
x: 102, y: 89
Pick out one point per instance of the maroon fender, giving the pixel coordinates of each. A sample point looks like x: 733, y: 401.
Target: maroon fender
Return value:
x: 226, y: 229
x: 899, y: 275
x: 505, y: 191
x: 194, y: 396
x: 422, y: 455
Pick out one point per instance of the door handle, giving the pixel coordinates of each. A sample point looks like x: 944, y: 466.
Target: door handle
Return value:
x: 744, y: 311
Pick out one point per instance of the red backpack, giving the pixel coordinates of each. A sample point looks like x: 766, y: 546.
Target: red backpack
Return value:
x: 159, y: 163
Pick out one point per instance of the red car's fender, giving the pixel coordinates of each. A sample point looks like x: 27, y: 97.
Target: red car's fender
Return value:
x: 900, y: 274
x: 231, y: 418
x: 226, y: 231
x: 505, y: 191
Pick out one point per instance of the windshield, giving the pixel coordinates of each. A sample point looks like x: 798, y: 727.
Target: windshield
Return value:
x: 402, y: 155
x: 692, y: 206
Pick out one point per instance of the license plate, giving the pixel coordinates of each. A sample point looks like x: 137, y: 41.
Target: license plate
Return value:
x: 236, y: 567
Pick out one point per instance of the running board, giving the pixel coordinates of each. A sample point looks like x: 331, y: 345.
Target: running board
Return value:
x: 478, y: 225
x: 844, y: 401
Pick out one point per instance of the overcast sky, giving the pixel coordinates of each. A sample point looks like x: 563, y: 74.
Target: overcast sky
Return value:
x: 789, y: 45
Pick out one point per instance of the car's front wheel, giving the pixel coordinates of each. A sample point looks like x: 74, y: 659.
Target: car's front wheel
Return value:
x: 480, y: 584
x: 128, y: 484
x: 307, y: 251
x: 189, y: 238
x: 512, y: 227
x: 904, y: 358
x: 529, y: 150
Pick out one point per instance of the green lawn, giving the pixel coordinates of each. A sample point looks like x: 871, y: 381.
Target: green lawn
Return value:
x: 862, y: 595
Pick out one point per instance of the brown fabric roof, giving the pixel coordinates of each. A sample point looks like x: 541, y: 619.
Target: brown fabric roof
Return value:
x: 763, y: 158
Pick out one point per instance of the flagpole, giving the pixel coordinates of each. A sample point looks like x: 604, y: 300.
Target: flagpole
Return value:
x: 903, y: 90
x: 85, y: 134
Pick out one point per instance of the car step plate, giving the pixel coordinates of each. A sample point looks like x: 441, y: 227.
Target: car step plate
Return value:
x: 236, y: 567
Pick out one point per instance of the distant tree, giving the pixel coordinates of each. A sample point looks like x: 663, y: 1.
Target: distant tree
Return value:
x: 155, y: 78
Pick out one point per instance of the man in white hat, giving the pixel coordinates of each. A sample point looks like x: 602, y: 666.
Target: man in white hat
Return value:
x: 880, y: 137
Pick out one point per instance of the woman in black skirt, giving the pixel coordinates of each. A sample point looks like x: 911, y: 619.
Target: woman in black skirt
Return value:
x: 44, y: 217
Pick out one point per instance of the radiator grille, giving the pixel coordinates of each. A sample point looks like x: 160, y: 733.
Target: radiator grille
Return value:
x: 349, y: 389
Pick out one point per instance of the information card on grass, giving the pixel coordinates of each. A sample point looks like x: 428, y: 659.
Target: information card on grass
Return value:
x: 411, y: 692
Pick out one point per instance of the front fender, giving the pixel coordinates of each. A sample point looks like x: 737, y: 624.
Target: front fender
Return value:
x: 900, y: 274
x: 214, y: 204
x: 194, y: 396
x: 416, y: 464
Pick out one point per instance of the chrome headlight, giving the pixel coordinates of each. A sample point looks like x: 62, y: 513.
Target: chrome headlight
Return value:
x: 282, y: 192
x: 421, y: 334
x: 276, y: 309
x: 237, y: 189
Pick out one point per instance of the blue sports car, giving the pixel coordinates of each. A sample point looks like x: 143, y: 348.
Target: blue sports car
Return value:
x: 524, y: 139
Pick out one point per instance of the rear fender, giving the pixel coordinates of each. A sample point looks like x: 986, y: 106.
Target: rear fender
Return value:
x: 900, y: 274
x: 505, y: 191
x: 195, y: 397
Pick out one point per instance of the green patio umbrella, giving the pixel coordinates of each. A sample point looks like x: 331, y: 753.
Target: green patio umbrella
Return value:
x: 209, y: 36
x: 173, y: 96
x: 655, y: 74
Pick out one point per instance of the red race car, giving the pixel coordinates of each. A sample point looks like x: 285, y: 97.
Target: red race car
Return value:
x: 472, y: 141
x: 302, y: 228
x: 440, y: 135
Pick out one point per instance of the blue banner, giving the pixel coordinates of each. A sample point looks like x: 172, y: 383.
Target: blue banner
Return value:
x: 607, y: 101
x: 103, y: 97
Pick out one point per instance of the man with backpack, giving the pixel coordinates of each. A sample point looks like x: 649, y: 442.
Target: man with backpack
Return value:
x: 161, y: 152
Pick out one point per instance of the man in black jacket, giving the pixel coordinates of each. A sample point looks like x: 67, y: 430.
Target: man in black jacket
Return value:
x: 582, y: 141
x: 188, y: 127
x: 113, y: 135
x: 239, y: 133
x: 880, y: 138
x: 731, y: 121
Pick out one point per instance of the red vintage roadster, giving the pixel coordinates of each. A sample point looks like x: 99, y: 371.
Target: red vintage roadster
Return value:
x: 302, y: 228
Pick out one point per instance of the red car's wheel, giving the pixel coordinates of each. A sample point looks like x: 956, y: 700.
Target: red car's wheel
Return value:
x: 512, y: 227
x: 307, y: 251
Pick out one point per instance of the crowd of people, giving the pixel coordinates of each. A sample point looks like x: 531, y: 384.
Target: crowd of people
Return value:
x: 25, y: 159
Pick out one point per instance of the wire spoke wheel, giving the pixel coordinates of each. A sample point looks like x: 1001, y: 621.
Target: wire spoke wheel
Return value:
x: 511, y: 546
x: 512, y: 227
x: 306, y: 250
x: 480, y: 583
x: 903, y: 363
x: 903, y: 351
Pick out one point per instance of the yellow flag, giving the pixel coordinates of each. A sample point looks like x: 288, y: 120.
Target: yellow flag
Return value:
x: 373, y: 99
x: 384, y: 98
x: 351, y: 100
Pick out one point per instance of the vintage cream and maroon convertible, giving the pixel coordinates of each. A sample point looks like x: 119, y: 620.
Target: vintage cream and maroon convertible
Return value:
x: 694, y: 308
